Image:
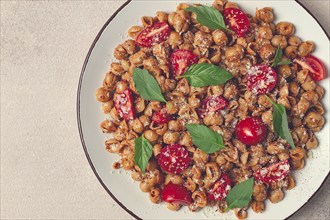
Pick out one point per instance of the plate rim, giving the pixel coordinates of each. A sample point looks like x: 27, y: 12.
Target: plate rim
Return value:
x: 81, y: 135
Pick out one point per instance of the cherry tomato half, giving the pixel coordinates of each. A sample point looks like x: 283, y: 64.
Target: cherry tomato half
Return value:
x: 251, y: 130
x: 173, y: 158
x: 220, y: 189
x: 313, y: 65
x: 124, y: 104
x: 176, y: 194
x: 261, y: 79
x: 155, y: 34
x: 181, y: 60
x: 273, y: 173
x: 237, y: 20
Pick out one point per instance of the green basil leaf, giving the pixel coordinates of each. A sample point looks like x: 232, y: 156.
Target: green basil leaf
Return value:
x: 204, y: 74
x: 142, y: 152
x: 209, y: 17
x: 147, y: 86
x: 280, y: 123
x: 240, y: 195
x: 205, y: 138
x: 278, y: 56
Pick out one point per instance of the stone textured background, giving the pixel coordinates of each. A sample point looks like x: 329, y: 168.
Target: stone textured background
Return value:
x: 44, y: 172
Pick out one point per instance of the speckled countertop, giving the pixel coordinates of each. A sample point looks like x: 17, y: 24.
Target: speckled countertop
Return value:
x: 44, y: 172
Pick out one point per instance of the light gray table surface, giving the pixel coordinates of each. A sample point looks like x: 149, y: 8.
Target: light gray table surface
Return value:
x: 44, y: 172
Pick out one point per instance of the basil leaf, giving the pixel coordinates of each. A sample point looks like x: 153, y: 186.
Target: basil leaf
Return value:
x: 147, y: 86
x: 278, y: 56
x: 209, y: 17
x: 142, y: 152
x: 240, y: 195
x: 204, y: 74
x: 205, y: 138
x: 280, y: 123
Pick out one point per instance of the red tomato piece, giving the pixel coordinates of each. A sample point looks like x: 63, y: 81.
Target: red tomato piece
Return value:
x: 124, y: 104
x: 155, y: 34
x: 161, y: 117
x: 261, y: 79
x: 212, y: 104
x: 237, y: 20
x: 173, y: 158
x: 273, y: 173
x: 181, y: 60
x: 220, y: 189
x: 313, y: 65
x: 177, y: 194
x: 251, y: 130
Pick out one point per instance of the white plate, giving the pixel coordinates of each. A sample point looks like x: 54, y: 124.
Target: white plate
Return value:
x: 118, y: 183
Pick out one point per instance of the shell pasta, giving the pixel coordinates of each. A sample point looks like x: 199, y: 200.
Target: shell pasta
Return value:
x: 270, y: 76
